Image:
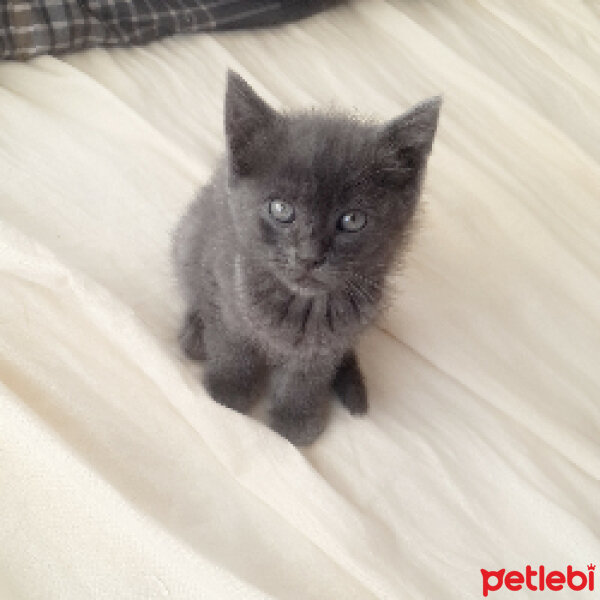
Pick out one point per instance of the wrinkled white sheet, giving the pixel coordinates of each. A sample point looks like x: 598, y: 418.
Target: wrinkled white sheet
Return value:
x: 120, y: 478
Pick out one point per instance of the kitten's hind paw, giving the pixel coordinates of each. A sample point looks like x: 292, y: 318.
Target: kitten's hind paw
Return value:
x: 191, y: 337
x: 349, y: 385
x: 228, y: 391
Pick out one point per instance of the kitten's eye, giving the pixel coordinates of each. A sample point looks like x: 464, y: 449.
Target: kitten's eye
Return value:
x: 281, y: 211
x: 352, y: 221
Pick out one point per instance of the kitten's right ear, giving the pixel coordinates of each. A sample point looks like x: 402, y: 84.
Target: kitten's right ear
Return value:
x: 247, y: 119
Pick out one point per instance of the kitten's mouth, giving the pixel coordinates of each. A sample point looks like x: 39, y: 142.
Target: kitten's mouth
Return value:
x: 307, y: 284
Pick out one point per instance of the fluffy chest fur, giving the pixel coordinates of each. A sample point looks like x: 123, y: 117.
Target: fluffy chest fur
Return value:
x: 286, y: 323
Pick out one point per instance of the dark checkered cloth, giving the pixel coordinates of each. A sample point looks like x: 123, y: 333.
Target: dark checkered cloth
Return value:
x: 29, y: 28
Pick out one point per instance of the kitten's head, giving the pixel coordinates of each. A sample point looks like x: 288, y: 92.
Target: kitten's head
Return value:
x: 323, y: 200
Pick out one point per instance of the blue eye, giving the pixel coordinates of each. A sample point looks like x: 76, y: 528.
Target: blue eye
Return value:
x: 282, y: 211
x: 352, y: 221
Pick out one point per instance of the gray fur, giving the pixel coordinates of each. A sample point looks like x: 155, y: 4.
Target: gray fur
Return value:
x: 288, y: 301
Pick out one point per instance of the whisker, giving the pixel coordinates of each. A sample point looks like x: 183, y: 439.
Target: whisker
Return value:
x: 370, y: 288
x: 306, y: 315
x: 364, y: 293
x: 353, y: 301
x: 328, y: 315
x: 285, y: 309
x: 372, y: 283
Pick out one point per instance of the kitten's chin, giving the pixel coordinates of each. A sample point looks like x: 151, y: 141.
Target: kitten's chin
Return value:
x: 306, y: 285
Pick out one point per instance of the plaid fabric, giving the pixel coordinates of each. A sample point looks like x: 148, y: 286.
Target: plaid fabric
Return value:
x: 29, y: 28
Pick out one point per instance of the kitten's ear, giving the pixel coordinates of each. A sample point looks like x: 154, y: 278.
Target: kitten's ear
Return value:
x: 407, y: 140
x: 246, y: 117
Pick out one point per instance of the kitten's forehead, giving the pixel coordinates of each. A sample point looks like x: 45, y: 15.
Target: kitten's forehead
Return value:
x: 327, y: 149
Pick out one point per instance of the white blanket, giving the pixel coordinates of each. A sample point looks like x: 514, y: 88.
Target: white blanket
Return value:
x: 121, y: 479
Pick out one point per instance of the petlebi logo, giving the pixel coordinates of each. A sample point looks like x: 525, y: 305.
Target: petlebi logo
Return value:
x: 539, y: 579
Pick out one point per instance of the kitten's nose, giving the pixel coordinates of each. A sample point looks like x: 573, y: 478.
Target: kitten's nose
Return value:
x: 310, y: 262
x: 310, y: 254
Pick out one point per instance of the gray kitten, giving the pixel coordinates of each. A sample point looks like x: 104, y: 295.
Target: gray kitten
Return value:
x: 283, y: 255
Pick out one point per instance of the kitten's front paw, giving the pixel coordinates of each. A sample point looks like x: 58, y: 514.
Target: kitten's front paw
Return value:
x: 228, y: 390
x: 300, y: 426
x: 191, y: 337
x: 353, y: 395
x: 350, y: 387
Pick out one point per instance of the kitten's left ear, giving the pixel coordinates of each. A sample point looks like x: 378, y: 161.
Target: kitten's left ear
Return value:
x: 247, y: 116
x: 409, y: 138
